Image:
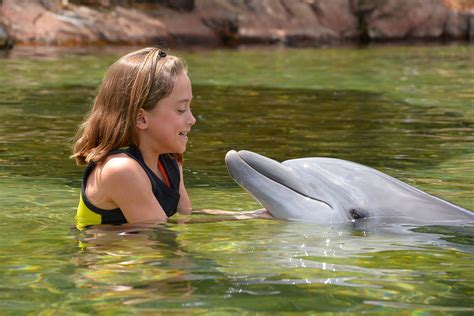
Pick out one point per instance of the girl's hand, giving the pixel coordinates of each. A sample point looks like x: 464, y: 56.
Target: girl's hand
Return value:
x: 184, y: 206
x: 260, y: 213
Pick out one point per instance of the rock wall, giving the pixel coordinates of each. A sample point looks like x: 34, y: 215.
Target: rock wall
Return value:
x: 414, y: 19
x: 234, y: 22
x: 5, y: 39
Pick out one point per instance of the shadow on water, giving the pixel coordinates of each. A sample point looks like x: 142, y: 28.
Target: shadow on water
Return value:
x: 290, y: 266
x: 462, y: 235
x: 163, y: 273
x: 349, y: 124
x: 355, y: 125
x: 396, y: 137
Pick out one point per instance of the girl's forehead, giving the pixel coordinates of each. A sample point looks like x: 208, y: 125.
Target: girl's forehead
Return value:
x: 182, y: 86
x: 182, y: 78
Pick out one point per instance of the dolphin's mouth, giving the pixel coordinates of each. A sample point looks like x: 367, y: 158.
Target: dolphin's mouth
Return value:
x: 267, y: 168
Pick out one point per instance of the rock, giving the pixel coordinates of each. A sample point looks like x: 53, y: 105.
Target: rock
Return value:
x: 125, y: 26
x: 413, y: 19
x: 286, y: 21
x: 80, y: 24
x: 466, y: 8
x: 6, y: 42
x: 179, y: 5
x: 234, y: 22
x: 187, y: 29
x: 460, y: 5
x: 471, y: 28
x: 338, y: 16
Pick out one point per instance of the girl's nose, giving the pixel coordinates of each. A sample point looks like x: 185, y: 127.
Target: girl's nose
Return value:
x: 191, y: 119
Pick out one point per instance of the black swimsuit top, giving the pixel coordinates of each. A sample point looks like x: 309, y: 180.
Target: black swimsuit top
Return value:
x: 167, y: 196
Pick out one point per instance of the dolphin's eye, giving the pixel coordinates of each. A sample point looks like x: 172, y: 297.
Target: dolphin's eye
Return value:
x: 356, y: 214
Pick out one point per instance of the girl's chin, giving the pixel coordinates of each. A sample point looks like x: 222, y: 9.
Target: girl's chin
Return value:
x: 181, y: 151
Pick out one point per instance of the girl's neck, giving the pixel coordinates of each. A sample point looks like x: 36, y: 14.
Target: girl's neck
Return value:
x: 150, y: 157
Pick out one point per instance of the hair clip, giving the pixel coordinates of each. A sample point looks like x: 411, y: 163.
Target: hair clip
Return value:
x: 162, y: 53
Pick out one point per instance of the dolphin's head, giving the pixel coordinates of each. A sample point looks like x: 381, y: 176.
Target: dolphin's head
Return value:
x: 332, y: 191
x: 281, y: 190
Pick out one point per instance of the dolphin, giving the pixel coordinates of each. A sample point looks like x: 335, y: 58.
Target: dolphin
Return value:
x: 332, y: 191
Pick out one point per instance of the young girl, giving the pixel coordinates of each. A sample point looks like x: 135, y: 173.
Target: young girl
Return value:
x: 133, y: 142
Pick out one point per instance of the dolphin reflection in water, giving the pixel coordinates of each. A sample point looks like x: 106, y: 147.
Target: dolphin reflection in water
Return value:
x: 332, y: 191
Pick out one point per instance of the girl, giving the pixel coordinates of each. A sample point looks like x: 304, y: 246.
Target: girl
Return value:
x: 133, y: 142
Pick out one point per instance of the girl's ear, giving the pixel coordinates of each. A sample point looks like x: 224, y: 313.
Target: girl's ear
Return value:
x: 141, y: 119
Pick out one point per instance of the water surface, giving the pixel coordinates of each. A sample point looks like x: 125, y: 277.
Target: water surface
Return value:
x: 407, y: 111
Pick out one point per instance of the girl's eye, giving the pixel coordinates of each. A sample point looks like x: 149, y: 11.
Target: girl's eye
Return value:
x: 181, y: 111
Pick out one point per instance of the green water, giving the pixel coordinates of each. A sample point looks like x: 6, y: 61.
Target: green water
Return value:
x: 407, y: 111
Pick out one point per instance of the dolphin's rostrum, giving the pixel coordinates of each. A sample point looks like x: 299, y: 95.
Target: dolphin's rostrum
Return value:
x: 334, y: 191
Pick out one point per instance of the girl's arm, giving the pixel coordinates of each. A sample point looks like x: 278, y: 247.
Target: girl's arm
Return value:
x: 260, y: 213
x: 184, y: 205
x: 125, y: 184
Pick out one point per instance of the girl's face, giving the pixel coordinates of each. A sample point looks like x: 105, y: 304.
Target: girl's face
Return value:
x: 167, y: 125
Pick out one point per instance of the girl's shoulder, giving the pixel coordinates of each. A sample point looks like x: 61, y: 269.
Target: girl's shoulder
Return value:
x: 118, y: 175
x: 119, y: 168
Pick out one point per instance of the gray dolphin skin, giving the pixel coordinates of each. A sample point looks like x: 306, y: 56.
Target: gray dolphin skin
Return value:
x: 334, y: 191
